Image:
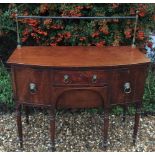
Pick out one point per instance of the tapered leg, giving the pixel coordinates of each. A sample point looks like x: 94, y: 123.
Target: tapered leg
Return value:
x: 124, y: 113
x: 137, y: 119
x: 105, y: 128
x: 27, y: 114
x: 52, y: 128
x: 19, y: 125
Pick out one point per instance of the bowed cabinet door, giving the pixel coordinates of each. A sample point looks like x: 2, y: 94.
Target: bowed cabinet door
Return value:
x: 138, y: 76
x: 32, y: 85
x: 133, y: 77
x: 119, y: 78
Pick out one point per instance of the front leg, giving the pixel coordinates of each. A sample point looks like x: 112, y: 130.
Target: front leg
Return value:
x: 27, y: 111
x: 137, y: 119
x: 105, y: 128
x: 19, y: 124
x: 124, y: 113
x: 52, y: 128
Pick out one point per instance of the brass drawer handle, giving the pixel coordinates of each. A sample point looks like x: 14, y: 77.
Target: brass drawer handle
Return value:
x: 127, y: 88
x: 32, y: 87
x: 94, y: 78
x: 66, y: 78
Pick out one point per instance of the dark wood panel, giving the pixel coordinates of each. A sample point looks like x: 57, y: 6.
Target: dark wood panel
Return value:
x: 83, y: 97
x: 41, y: 78
x: 119, y: 78
x: 136, y: 76
x: 46, y: 79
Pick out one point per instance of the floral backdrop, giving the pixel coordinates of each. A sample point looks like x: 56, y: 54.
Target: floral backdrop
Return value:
x: 58, y: 32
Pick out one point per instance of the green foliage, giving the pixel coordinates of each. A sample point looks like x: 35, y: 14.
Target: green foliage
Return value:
x: 6, y: 23
x: 5, y: 87
x: 74, y: 32
x: 117, y: 110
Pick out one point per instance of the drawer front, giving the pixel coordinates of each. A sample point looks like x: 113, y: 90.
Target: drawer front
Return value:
x: 32, y: 85
x: 98, y: 77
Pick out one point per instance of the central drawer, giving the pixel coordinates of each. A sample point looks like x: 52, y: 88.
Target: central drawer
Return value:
x: 74, y: 77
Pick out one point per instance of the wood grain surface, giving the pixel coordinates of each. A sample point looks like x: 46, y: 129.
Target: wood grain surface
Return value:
x: 77, y: 56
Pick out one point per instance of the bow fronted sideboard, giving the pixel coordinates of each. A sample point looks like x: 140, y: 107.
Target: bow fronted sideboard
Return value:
x: 78, y: 77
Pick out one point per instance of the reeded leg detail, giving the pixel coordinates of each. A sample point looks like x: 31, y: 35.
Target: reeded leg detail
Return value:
x: 124, y: 113
x: 52, y: 128
x: 105, y: 129
x: 27, y: 114
x: 137, y: 119
x: 19, y: 125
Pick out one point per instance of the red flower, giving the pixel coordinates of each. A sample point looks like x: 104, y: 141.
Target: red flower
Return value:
x: 115, y: 5
x: 43, y: 8
x: 33, y: 35
x: 106, y: 32
x: 74, y: 12
x: 47, y: 21
x: 142, y: 13
x: 142, y: 10
x: 52, y: 38
x: 24, y: 39
x: 79, y: 7
x: 132, y: 11
x: 153, y: 17
x: 100, y: 44
x: 67, y: 35
x: 13, y: 15
x: 58, y: 40
x: 127, y: 33
x: 25, y: 13
x: 60, y: 35
x: 26, y: 32
x: 40, y: 32
x: 140, y: 35
x: 95, y: 34
x: 82, y: 38
x: 32, y: 22
x: 57, y: 27
x: 53, y: 44
x: 149, y: 44
x: 88, y: 6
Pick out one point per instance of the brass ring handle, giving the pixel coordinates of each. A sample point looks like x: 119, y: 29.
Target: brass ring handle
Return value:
x: 127, y: 88
x: 94, y: 78
x: 32, y: 87
x: 66, y: 78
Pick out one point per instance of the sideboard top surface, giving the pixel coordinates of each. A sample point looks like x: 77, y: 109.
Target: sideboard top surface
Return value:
x: 77, y: 56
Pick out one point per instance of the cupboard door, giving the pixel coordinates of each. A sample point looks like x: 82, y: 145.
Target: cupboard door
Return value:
x: 121, y: 78
x: 32, y: 85
x: 127, y: 85
x: 138, y: 76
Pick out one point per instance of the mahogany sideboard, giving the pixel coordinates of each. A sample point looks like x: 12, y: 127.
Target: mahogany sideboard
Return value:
x: 78, y: 77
